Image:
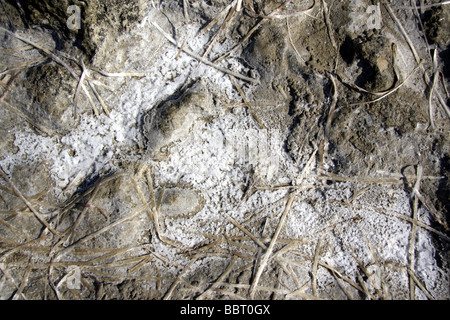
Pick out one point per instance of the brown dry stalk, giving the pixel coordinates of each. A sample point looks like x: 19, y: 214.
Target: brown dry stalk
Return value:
x: 291, y: 41
x: 28, y: 203
x: 315, y: 265
x: 14, y: 229
x: 398, y: 86
x: 413, y: 221
x: 269, y: 250
x: 71, y: 230
x: 228, y: 18
x: 342, y: 286
x: 8, y: 84
x: 432, y: 88
x: 252, y: 104
x: 252, y: 30
x: 104, y: 229
x: 24, y: 280
x: 222, y: 277
x: 47, y: 52
x: 419, y: 284
x: 205, y: 61
x: 328, y: 24
x: 245, y: 230
x: 412, y: 238
x: 28, y: 118
x: 268, y: 253
x: 11, y: 280
x: 217, y: 18
x: 415, y: 54
x: 179, y: 277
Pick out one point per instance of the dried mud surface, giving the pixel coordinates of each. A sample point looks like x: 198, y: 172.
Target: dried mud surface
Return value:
x: 316, y: 170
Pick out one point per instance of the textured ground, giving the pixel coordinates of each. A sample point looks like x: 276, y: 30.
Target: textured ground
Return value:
x: 224, y: 149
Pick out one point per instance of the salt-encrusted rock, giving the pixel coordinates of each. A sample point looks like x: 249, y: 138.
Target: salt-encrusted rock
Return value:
x: 172, y: 120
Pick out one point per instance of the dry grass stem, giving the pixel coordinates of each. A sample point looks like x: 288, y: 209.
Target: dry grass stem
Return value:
x: 315, y: 265
x: 342, y: 286
x: 424, y: 6
x: 206, y: 62
x: 416, y: 55
x: 269, y: 250
x: 115, y: 74
x: 412, y: 238
x: 11, y: 280
x: 179, y: 277
x: 104, y: 229
x: 14, y: 229
x: 29, y: 205
x: 393, y: 179
x: 186, y: 11
x: 419, y: 284
x: 292, y: 42
x: 363, y: 285
x: 224, y: 25
x: 24, y: 281
x: 84, y: 74
x: 403, y: 31
x: 252, y: 30
x: 222, y: 278
x: 388, y: 213
x: 47, y: 52
x: 217, y: 18
x: 275, y: 15
x: 243, y: 229
x: 432, y: 88
x: 398, y: 86
x: 328, y: 24
x: 252, y: 104
x: 180, y: 49
x: 99, y: 98
x: 358, y: 194
x: 28, y: 118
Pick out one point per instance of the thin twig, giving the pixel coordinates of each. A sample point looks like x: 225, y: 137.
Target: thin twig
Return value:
x: 291, y: 41
x: 415, y: 54
x: 24, y: 281
x: 178, y: 278
x: 412, y: 238
x: 420, y: 285
x: 283, y: 218
x: 185, y: 10
x: 424, y: 6
x: 315, y: 265
x: 207, y: 62
x: 328, y: 24
x: 269, y: 250
x: 219, y: 280
x: 252, y: 30
x: 430, y: 94
x: 243, y: 229
x: 390, y: 91
x: 28, y: 203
